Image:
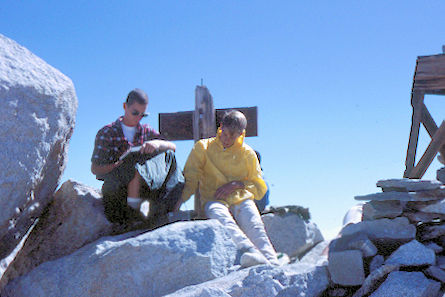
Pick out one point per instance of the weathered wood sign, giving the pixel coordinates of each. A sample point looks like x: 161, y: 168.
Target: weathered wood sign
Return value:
x: 201, y: 123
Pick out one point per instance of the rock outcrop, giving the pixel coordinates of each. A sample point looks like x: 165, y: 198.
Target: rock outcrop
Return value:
x: 37, y: 118
x: 396, y: 249
x: 290, y: 233
x: 297, y: 279
x: 154, y: 263
x: 73, y: 219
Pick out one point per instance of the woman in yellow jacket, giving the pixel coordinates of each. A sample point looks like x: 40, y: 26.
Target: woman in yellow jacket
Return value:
x: 229, y: 178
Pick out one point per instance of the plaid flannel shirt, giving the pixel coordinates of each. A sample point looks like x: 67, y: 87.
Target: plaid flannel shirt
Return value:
x: 111, y: 143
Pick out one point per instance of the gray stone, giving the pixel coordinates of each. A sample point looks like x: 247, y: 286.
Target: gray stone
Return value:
x: 437, y: 208
x: 74, y: 219
x: 37, y: 118
x: 408, y: 185
x: 296, y: 279
x: 435, y: 273
x: 355, y: 241
x: 434, y: 246
x: 384, y: 230
x: 151, y: 264
x: 401, y: 196
x: 290, y: 234
x: 431, y: 232
x: 421, y: 217
x: 440, y: 175
x: 316, y: 255
x: 441, y: 262
x: 382, y: 209
x: 407, y: 284
x: 412, y: 254
x: 376, y: 262
x: 346, y: 267
x: 336, y: 292
x: 374, y: 279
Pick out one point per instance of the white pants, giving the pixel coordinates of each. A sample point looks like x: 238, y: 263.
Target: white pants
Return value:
x: 249, y: 232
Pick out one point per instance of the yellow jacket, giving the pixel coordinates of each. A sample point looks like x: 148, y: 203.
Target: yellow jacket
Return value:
x: 212, y: 166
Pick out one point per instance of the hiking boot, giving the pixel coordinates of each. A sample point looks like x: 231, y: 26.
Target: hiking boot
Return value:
x: 252, y: 257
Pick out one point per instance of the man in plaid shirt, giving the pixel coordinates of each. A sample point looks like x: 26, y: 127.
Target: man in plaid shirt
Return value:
x: 150, y: 174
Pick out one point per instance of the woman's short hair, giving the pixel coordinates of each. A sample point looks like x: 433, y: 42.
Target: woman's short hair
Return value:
x: 234, y: 120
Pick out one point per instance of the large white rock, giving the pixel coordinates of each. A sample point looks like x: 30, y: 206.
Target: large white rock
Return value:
x: 152, y: 264
x: 37, y: 115
x: 298, y: 279
x: 412, y: 253
x: 290, y: 234
x: 74, y: 219
x: 407, y: 284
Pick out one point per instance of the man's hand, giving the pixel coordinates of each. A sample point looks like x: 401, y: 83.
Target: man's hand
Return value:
x: 225, y: 190
x: 152, y: 146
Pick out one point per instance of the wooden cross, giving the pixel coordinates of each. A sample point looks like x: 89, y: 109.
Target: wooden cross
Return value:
x: 201, y: 123
x: 429, y: 78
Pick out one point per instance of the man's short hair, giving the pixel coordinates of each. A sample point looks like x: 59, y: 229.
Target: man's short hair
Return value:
x: 138, y: 96
x: 234, y: 120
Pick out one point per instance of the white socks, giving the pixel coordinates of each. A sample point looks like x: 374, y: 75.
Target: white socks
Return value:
x: 134, y: 203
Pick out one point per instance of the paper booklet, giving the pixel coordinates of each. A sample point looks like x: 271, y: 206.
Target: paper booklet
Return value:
x: 133, y: 149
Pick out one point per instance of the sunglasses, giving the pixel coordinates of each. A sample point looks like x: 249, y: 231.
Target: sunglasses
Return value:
x: 139, y: 114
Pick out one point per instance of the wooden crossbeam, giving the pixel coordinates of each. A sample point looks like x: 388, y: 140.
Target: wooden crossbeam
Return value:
x: 429, y: 76
x: 179, y: 125
x: 201, y: 123
x: 437, y: 141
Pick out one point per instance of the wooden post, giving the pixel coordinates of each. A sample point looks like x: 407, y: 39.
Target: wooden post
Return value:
x: 437, y: 141
x: 204, y: 126
x: 417, y: 103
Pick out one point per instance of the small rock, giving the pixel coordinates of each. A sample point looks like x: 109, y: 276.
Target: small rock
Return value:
x: 382, y: 209
x: 290, y: 234
x: 431, y: 232
x: 315, y: 256
x: 436, y: 273
x: 400, y: 196
x: 412, y: 254
x: 421, y: 217
x: 407, y: 284
x: 437, y: 208
x: 337, y: 292
x: 374, y: 278
x: 408, y: 185
x: 376, y: 262
x: 440, y: 175
x: 355, y: 241
x: 441, y: 262
x: 384, y: 231
x: 346, y: 267
x: 434, y: 246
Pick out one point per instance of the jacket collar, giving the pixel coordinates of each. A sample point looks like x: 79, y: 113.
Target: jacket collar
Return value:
x: 237, y: 144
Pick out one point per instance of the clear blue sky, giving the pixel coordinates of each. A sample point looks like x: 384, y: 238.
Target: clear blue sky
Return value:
x: 331, y: 79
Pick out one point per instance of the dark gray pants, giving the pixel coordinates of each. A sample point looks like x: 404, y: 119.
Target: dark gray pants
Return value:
x: 162, y: 185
